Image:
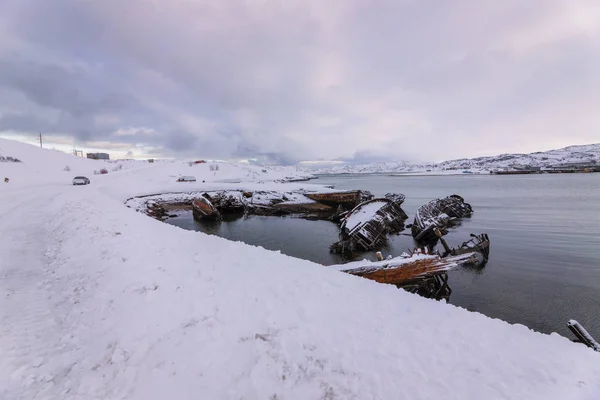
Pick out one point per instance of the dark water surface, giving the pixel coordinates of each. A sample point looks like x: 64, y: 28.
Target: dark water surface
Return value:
x: 544, y: 266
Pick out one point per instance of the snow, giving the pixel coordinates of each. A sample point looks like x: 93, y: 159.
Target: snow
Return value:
x: 367, y: 264
x: 478, y: 165
x: 99, y: 301
x: 260, y: 197
x: 364, y: 214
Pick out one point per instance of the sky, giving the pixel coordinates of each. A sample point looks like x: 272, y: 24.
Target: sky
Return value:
x: 295, y: 80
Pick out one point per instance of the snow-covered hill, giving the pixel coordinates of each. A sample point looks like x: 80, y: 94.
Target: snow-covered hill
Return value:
x: 571, y: 154
x: 53, y: 166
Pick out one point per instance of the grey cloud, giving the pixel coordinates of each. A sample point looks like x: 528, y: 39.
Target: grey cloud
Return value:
x: 367, y: 157
x: 351, y: 80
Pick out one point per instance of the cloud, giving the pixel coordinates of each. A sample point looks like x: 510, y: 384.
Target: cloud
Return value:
x: 303, y: 80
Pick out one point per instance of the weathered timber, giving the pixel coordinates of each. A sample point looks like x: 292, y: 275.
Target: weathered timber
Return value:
x: 402, y: 271
x: 202, y: 209
x: 366, y: 226
x: 421, y: 264
x: 334, y: 199
x: 479, y: 243
x: 334, y: 205
x: 226, y: 201
x: 433, y: 219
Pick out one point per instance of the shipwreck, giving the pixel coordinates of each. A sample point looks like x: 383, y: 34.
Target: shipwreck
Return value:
x: 367, y: 225
x: 433, y: 219
x: 203, y: 209
x: 348, y: 199
x: 364, y: 225
x: 423, y: 271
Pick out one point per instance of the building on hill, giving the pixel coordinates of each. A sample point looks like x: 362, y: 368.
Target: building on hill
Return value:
x: 98, y: 156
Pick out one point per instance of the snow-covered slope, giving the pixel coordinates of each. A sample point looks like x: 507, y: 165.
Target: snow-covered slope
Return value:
x: 98, y: 301
x: 38, y: 165
x: 582, y: 153
x: 45, y: 166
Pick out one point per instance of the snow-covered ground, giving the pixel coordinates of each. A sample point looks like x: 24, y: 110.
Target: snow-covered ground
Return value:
x: 571, y: 154
x: 99, y: 301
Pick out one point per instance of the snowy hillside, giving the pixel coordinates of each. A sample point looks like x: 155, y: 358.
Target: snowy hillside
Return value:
x: 40, y: 165
x: 98, y: 301
x: 569, y: 154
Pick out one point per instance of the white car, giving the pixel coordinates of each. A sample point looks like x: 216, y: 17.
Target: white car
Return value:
x: 81, y: 180
x: 186, y: 179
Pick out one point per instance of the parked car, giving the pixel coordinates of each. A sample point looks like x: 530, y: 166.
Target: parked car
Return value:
x: 186, y: 179
x: 81, y: 180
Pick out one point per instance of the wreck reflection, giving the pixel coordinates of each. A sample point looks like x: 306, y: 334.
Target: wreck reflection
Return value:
x: 435, y: 287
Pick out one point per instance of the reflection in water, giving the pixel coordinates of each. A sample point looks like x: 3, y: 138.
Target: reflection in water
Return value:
x: 435, y: 287
x: 212, y: 226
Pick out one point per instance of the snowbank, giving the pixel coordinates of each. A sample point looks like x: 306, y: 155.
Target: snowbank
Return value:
x: 102, y: 302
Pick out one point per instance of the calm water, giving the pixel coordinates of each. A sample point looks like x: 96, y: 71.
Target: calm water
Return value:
x: 544, y: 266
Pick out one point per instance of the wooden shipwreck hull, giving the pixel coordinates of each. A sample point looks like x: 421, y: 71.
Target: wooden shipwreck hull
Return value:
x: 366, y: 226
x: 479, y: 243
x: 433, y: 219
x: 334, y: 199
x: 420, y: 265
x: 202, y: 209
x: 226, y: 201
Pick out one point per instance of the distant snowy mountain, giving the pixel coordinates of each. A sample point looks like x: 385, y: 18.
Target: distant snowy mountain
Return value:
x: 571, y: 154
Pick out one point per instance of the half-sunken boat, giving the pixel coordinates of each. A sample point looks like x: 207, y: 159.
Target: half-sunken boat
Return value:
x: 202, y: 209
x: 477, y: 243
x: 421, y: 263
x: 367, y: 225
x: 433, y: 219
x: 423, y: 271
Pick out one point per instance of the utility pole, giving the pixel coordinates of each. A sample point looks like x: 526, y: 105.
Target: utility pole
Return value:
x: 41, y: 139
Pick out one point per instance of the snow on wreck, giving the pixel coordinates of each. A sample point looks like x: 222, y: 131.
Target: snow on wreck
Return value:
x: 423, y: 271
x: 367, y: 225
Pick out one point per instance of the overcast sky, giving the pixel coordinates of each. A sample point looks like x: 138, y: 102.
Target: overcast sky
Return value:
x: 292, y: 80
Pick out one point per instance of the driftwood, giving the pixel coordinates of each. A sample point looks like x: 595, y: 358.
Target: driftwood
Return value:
x: 433, y: 219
